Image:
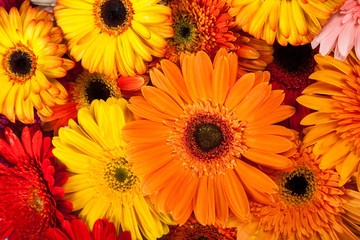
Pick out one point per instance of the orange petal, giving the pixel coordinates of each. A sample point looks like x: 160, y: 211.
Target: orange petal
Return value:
x: 240, y: 89
x: 173, y: 73
x: 235, y: 195
x: 268, y: 143
x: 267, y: 159
x: 140, y: 154
x: 221, y: 80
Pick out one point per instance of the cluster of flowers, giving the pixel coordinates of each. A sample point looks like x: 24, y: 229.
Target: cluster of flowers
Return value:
x: 179, y: 119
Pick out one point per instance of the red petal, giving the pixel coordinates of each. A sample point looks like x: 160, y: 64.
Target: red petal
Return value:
x: 37, y: 144
x: 80, y: 230
x: 55, y: 234
x: 7, y: 152
x: 124, y: 236
x: 26, y: 141
x: 15, y: 143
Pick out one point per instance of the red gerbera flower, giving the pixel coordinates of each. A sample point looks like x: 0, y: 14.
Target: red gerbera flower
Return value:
x: 77, y: 230
x: 290, y: 72
x: 30, y: 186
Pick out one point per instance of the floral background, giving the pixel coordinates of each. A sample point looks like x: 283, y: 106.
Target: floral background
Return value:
x: 179, y: 119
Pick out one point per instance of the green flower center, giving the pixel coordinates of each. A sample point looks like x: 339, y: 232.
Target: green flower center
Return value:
x: 119, y: 176
x: 208, y: 136
x: 114, y: 13
x: 185, y: 34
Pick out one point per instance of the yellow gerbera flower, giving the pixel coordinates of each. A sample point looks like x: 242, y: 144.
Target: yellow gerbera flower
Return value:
x: 334, y: 97
x: 204, y: 133
x: 102, y: 184
x: 114, y: 36
x: 289, y: 21
x: 30, y: 58
x: 310, y: 204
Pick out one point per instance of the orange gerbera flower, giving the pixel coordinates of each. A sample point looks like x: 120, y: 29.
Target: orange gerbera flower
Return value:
x: 335, y: 99
x: 204, y: 133
x: 192, y: 229
x: 310, y: 204
x: 205, y: 25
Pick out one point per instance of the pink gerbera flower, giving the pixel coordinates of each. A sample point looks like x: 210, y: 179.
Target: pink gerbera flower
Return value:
x: 342, y: 32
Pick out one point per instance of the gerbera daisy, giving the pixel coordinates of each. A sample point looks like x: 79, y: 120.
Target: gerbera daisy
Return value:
x: 102, y: 184
x: 290, y: 72
x: 77, y: 230
x: 193, y: 230
x: 87, y: 87
x: 31, y: 187
x: 7, y: 4
x: 308, y: 205
x: 289, y: 21
x: 205, y: 25
x: 204, y: 132
x: 114, y: 36
x: 334, y: 97
x: 30, y: 56
x: 342, y: 32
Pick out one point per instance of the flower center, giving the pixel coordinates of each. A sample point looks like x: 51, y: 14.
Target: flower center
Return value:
x: 19, y: 63
x: 185, y: 34
x: 113, y: 16
x: 202, y: 238
x: 97, y: 89
x: 113, y: 13
x: 118, y: 175
x: 207, y: 136
x: 91, y: 86
x: 292, y: 65
x: 121, y: 174
x: 298, y: 187
x: 36, y: 202
x: 183, y: 31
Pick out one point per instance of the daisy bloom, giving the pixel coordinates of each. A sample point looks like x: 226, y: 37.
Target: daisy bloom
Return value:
x: 102, y: 184
x: 204, y: 132
x: 87, y: 87
x: 205, y: 25
x: 290, y: 72
x: 7, y: 4
x: 342, y: 32
x: 114, y: 36
x: 192, y: 229
x: 308, y: 205
x: 334, y: 124
x: 30, y: 186
x: 288, y: 21
x: 77, y: 230
x: 30, y: 56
